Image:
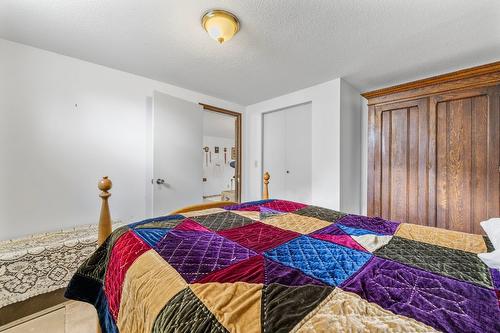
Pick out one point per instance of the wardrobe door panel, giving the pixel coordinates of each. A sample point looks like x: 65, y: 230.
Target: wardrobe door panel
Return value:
x: 434, y: 150
x: 467, y: 159
x: 399, y: 162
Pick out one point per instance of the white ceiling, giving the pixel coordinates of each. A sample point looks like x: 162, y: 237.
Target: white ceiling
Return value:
x: 218, y: 124
x: 284, y: 45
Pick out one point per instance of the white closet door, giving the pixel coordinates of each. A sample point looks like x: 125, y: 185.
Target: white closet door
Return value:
x: 274, y: 139
x: 298, y: 153
x: 177, y: 153
x: 287, y: 152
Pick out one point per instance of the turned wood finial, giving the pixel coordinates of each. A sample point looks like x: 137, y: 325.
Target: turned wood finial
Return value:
x: 265, y: 194
x: 104, y: 185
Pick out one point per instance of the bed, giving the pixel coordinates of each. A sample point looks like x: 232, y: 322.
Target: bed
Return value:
x: 282, y: 266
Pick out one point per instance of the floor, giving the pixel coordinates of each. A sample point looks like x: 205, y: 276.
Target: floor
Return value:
x: 70, y: 317
x: 224, y: 196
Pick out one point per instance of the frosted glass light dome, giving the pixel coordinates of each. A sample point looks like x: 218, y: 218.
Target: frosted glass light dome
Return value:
x: 220, y: 25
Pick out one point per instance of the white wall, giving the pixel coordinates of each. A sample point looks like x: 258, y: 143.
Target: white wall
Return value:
x: 326, y: 141
x: 350, y: 148
x: 64, y: 123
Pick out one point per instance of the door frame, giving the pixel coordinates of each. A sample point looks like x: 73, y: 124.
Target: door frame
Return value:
x: 238, y: 143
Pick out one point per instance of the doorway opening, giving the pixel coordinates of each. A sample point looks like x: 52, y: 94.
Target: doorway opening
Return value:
x: 221, y: 151
x: 179, y: 155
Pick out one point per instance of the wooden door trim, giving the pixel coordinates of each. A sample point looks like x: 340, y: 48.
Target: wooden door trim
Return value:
x: 375, y: 188
x: 494, y: 150
x: 399, y: 105
x: 480, y: 76
x: 238, y: 143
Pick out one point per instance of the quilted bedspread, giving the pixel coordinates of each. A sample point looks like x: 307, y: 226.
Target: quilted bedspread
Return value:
x: 281, y: 266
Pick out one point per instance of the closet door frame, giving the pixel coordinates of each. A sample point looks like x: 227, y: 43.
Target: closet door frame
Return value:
x: 284, y: 177
x: 377, y: 184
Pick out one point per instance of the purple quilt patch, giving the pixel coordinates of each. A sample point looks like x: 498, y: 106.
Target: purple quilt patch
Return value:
x: 194, y: 254
x: 443, y: 303
x: 278, y: 273
x: 495, y: 277
x: 332, y: 229
x: 375, y: 224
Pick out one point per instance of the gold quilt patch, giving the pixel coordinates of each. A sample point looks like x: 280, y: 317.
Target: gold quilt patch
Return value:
x: 452, y: 239
x: 143, y: 296
x: 343, y: 311
x: 297, y: 223
x: 235, y: 305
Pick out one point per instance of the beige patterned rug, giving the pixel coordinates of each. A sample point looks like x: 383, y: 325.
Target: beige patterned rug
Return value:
x: 42, y: 263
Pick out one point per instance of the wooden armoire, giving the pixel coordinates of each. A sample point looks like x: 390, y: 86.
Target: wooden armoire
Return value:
x: 434, y: 150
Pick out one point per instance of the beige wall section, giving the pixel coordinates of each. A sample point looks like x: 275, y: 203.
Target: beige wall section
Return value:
x: 65, y: 123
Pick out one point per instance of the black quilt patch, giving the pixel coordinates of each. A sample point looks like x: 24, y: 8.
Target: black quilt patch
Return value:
x: 170, y: 223
x: 185, y: 313
x: 458, y: 264
x: 321, y: 213
x: 283, y: 307
x: 489, y: 245
x: 222, y: 221
x: 95, y: 266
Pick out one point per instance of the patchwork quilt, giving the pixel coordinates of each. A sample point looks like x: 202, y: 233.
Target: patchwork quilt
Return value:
x: 281, y: 266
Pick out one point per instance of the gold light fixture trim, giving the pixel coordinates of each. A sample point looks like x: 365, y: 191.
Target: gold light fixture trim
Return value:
x: 221, y: 25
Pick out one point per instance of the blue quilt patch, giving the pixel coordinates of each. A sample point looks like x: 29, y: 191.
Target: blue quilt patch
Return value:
x: 152, y: 235
x: 325, y: 261
x: 157, y: 219
x: 357, y: 231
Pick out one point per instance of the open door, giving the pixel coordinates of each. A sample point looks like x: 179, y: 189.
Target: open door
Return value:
x: 177, y: 155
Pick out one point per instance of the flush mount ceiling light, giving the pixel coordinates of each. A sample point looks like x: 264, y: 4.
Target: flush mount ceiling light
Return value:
x: 220, y: 25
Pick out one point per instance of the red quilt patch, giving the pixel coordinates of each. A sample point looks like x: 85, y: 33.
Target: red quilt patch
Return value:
x: 250, y: 270
x: 258, y: 236
x: 126, y: 249
x: 344, y: 240
x: 284, y: 206
x: 190, y: 225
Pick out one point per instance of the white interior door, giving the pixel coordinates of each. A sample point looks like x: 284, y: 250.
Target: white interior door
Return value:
x: 177, y: 153
x: 274, y: 143
x: 298, y: 155
x: 287, y: 140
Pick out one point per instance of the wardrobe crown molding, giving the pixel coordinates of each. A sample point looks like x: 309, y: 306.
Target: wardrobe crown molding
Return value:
x: 488, y: 74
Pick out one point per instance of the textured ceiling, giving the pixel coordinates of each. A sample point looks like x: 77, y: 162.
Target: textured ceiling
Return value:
x: 284, y: 45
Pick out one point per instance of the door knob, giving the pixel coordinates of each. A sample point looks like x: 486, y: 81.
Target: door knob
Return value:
x: 160, y: 181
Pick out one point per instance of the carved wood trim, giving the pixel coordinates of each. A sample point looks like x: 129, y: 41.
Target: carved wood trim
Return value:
x: 480, y: 76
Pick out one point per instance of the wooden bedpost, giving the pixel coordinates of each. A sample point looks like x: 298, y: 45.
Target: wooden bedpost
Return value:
x: 104, y: 185
x: 265, y: 194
